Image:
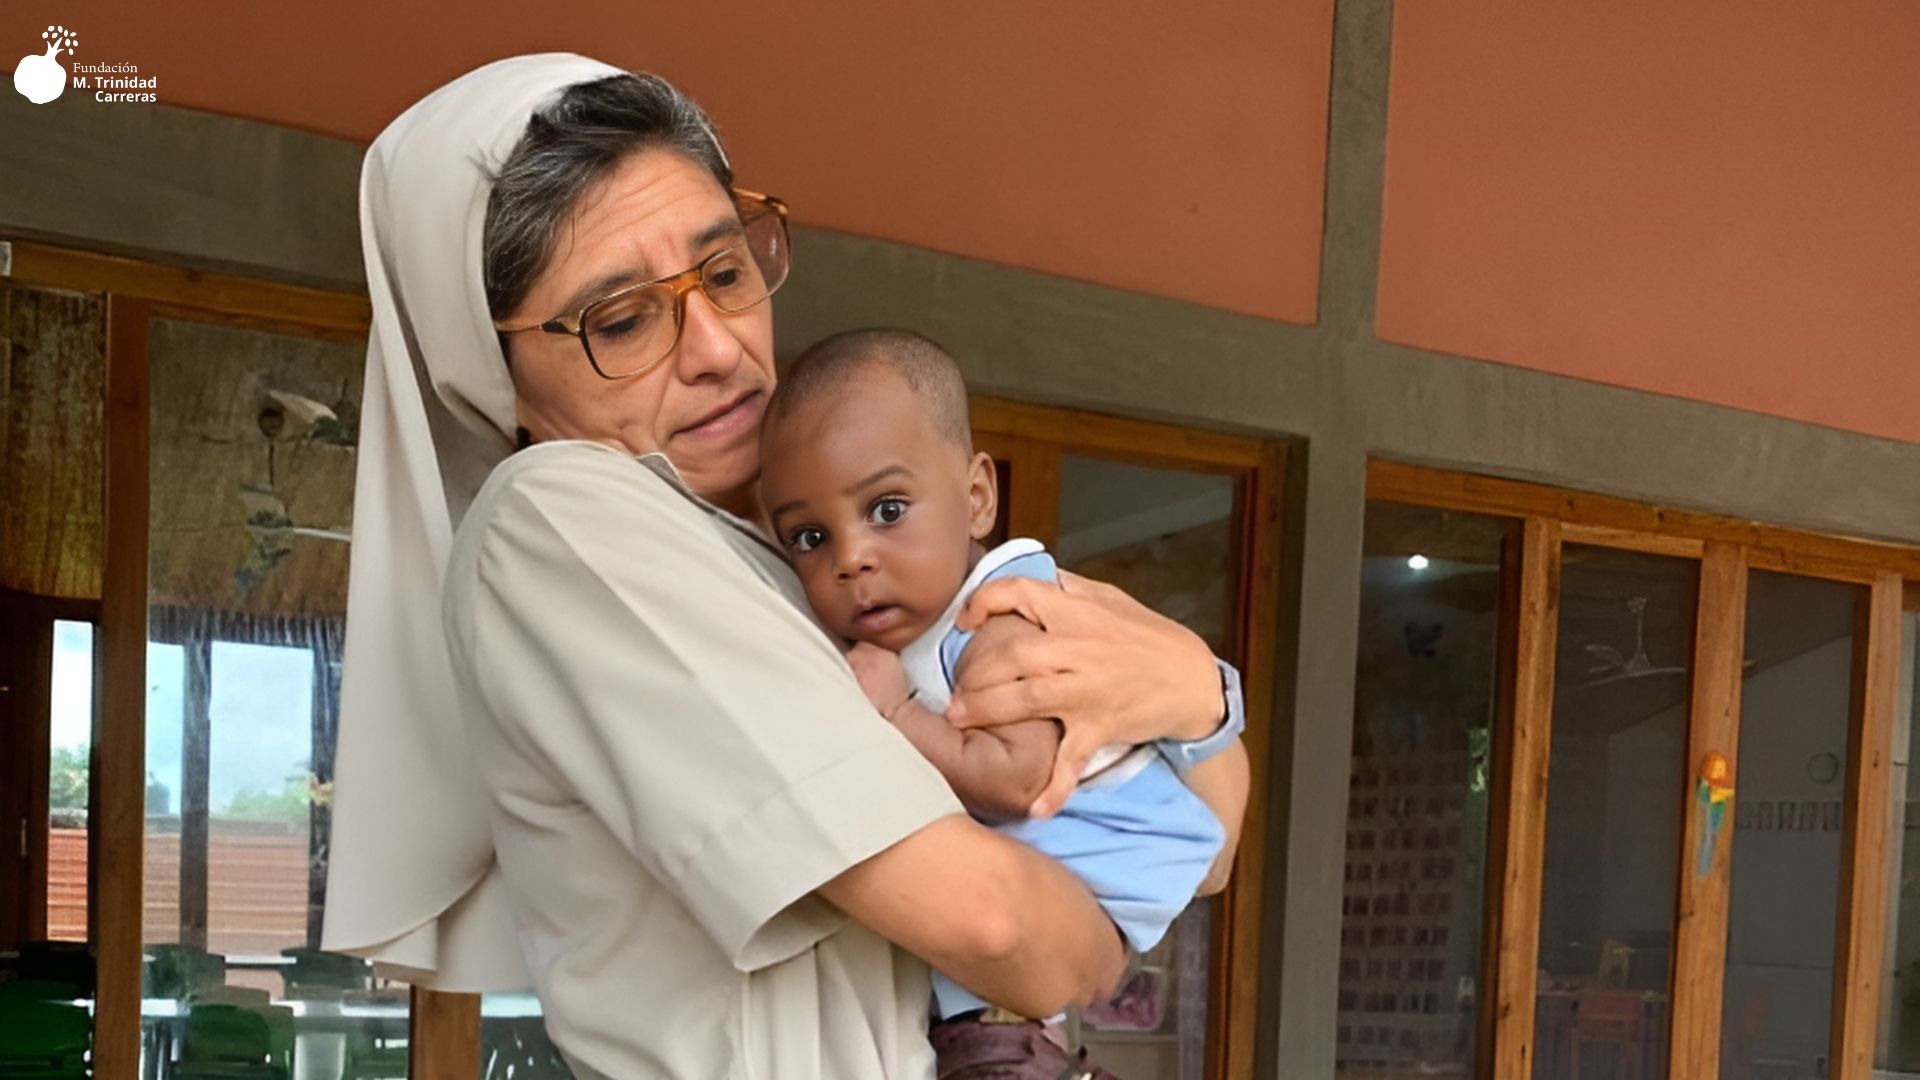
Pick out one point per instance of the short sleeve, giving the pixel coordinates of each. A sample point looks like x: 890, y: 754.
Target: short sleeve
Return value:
x: 1034, y: 564
x: 620, y: 644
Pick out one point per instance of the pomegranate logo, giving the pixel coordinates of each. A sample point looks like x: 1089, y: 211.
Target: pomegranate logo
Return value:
x: 40, y: 79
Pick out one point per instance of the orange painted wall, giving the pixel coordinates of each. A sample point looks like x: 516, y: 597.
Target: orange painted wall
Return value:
x: 1151, y: 147
x: 1716, y: 199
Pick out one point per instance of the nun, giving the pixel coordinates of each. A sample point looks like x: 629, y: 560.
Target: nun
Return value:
x: 591, y: 740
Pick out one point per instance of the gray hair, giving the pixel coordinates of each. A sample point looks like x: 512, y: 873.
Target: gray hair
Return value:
x: 571, y: 144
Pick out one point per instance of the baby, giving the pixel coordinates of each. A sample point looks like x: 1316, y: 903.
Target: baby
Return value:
x: 873, y: 489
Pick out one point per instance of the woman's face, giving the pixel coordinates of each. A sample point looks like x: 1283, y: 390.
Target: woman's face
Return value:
x: 657, y: 214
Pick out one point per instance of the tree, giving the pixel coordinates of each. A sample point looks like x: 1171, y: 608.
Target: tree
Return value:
x: 289, y: 804
x: 67, y: 782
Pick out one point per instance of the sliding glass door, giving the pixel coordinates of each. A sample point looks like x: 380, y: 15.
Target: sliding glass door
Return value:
x: 1658, y: 748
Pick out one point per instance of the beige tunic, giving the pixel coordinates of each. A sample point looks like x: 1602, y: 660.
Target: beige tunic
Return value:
x: 678, y: 756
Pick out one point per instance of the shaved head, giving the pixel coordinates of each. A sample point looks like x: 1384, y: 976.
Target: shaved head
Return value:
x: 828, y: 367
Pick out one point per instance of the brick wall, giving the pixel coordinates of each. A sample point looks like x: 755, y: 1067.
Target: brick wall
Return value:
x: 256, y: 889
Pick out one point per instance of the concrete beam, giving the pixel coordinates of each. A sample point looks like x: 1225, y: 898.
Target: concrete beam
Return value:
x: 182, y: 187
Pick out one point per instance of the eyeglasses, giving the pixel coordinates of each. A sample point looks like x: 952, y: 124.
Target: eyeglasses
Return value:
x: 630, y: 331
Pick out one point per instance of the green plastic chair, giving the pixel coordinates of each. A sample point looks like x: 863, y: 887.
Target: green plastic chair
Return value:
x: 225, y: 994
x: 40, y: 990
x: 42, y: 1040
x: 177, y: 971
x: 58, y: 961
x: 236, y: 1042
x: 316, y: 975
x: 280, y: 1036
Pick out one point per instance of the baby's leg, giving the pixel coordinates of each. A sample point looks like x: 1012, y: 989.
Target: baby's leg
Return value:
x: 1142, y: 846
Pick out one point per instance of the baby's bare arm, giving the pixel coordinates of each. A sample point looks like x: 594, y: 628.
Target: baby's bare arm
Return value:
x: 998, y: 771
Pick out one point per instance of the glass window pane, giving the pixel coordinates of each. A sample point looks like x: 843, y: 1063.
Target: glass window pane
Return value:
x: 1165, y: 536
x: 252, y: 457
x: 166, y: 711
x: 70, y: 743
x: 1168, y: 538
x: 1417, y: 818
x: 1616, y: 777
x: 1789, y: 782
x: 258, y: 797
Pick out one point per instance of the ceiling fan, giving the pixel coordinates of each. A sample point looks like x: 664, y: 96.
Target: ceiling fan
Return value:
x: 1615, y: 666
x: 268, y: 523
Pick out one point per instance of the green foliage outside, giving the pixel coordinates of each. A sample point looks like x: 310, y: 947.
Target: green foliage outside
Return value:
x: 289, y: 804
x: 67, y: 781
x: 67, y: 791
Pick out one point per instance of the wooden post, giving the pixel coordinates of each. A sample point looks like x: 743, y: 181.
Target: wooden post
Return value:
x: 196, y: 771
x: 1506, y: 657
x: 1233, y: 1000
x: 1861, y: 939
x: 445, y: 1039
x: 1033, y: 486
x: 1706, y: 853
x: 117, y: 836
x: 1521, y: 817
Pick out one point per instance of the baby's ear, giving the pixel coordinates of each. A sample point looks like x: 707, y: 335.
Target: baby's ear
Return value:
x: 983, y: 496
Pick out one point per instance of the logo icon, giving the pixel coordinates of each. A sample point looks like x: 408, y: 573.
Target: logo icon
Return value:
x: 40, y: 79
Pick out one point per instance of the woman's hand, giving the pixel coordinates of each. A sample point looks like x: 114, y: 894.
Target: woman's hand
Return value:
x: 881, y: 676
x: 1108, y: 668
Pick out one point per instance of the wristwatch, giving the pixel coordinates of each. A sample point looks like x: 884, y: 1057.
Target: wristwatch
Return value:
x: 1184, y: 754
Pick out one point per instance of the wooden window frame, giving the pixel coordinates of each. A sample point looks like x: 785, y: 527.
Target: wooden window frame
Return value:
x: 1726, y: 550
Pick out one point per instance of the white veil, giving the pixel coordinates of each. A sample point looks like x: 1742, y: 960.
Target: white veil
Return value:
x: 411, y: 880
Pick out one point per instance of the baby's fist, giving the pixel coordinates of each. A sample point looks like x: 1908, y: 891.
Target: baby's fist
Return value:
x: 881, y: 676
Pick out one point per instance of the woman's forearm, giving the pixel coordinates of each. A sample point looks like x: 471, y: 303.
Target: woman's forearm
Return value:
x: 996, y: 916
x: 1060, y: 948
x: 1223, y: 782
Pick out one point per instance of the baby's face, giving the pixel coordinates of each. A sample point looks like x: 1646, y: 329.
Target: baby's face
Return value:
x: 877, y: 511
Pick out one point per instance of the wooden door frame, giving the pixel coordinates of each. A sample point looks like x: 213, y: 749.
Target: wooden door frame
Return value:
x: 1727, y: 550
x: 1033, y: 439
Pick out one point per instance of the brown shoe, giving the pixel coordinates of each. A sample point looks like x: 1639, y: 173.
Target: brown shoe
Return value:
x: 972, y: 1049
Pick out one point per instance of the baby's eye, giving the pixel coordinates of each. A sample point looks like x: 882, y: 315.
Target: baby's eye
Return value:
x: 887, y: 511
x: 805, y: 539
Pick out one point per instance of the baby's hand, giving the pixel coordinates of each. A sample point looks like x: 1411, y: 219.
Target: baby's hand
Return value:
x: 881, y: 676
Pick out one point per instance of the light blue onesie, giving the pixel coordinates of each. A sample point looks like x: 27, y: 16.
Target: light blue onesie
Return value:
x: 1133, y: 832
